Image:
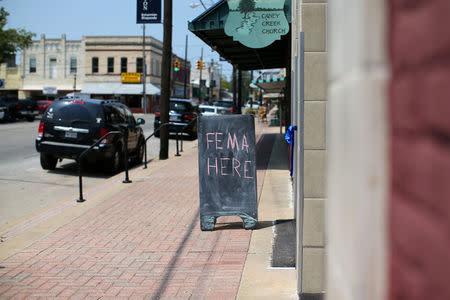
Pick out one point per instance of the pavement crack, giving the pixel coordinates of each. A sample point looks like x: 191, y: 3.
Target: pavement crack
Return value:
x: 38, y: 182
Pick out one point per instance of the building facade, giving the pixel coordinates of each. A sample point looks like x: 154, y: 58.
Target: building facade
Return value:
x: 108, y: 67
x: 52, y: 68
x: 10, y: 79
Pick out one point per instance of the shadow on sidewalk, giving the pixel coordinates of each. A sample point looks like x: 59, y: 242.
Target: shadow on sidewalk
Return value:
x: 264, y: 149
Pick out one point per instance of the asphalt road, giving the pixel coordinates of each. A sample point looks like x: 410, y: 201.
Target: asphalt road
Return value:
x: 25, y: 187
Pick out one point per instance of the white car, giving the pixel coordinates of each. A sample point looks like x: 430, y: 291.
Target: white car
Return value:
x: 254, y: 106
x: 208, y: 110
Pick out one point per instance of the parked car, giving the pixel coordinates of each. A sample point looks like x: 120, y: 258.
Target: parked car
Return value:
x: 70, y: 126
x: 208, y: 110
x: 2, y: 112
x: 18, y: 109
x: 43, y: 104
x: 228, y: 105
x: 183, y: 113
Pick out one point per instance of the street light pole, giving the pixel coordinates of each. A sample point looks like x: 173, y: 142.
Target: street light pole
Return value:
x: 144, y: 76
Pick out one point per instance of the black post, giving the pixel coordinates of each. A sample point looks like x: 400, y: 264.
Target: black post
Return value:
x: 125, y: 142
x: 145, y: 161
x: 80, y: 180
x: 178, y: 153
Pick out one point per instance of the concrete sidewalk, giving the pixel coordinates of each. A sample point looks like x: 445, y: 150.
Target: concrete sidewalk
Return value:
x: 143, y: 240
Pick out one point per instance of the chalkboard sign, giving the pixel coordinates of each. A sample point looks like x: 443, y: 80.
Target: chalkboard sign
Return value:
x: 227, y: 169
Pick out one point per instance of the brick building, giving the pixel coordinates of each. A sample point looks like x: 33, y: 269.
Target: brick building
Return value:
x: 388, y: 217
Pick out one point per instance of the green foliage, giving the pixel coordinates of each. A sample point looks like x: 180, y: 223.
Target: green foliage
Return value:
x: 224, y: 83
x: 246, y: 6
x: 12, y: 40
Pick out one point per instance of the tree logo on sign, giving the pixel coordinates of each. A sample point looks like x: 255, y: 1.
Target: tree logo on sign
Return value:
x: 256, y: 23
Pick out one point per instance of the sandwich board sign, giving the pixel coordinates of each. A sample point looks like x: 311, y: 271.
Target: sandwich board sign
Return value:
x: 227, y: 169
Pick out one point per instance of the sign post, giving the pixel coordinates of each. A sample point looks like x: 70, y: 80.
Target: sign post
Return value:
x: 227, y: 169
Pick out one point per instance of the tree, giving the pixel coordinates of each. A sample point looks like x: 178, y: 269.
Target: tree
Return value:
x: 12, y: 40
x: 246, y: 6
x: 224, y: 83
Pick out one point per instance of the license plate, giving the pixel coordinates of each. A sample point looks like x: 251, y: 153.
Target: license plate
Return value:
x: 72, y: 135
x: 174, y: 118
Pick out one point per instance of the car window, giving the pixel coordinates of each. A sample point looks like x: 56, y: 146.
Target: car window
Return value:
x: 178, y: 106
x: 129, y: 116
x: 114, y: 115
x: 207, y: 109
x: 75, y: 112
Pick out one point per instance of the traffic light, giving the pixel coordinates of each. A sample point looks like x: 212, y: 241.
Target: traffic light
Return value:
x: 176, y: 65
x: 200, y: 64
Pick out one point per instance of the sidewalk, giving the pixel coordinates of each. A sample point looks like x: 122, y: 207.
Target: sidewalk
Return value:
x: 143, y: 240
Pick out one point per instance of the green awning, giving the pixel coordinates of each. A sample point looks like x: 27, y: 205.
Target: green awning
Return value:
x: 209, y: 27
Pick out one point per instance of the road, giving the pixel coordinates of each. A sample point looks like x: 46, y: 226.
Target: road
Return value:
x: 25, y: 187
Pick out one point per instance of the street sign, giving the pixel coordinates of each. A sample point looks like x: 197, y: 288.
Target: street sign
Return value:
x: 50, y: 90
x: 227, y: 169
x: 148, y: 11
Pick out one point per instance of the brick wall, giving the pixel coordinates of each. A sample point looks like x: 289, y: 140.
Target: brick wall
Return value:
x: 420, y: 149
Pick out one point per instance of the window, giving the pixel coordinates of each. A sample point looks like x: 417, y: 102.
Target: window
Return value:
x: 123, y: 65
x: 32, y: 65
x: 110, y: 64
x: 95, y: 65
x: 52, y: 74
x: 73, y: 65
x: 139, y: 65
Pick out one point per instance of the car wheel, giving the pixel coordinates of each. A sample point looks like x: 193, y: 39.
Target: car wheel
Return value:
x: 116, y: 162
x: 140, y: 152
x: 48, y: 161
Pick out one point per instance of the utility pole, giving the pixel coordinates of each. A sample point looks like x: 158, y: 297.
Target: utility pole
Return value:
x: 235, y: 105
x: 185, y: 68
x: 165, y: 79
x: 211, y: 80
x: 144, y: 97
x: 200, y: 81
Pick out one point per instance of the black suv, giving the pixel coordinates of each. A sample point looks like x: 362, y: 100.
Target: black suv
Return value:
x: 183, y: 113
x: 70, y: 126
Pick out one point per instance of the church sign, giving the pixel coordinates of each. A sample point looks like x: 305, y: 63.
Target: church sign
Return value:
x: 256, y: 23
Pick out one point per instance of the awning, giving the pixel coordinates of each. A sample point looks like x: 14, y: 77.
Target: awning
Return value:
x: 118, y: 88
x: 209, y: 27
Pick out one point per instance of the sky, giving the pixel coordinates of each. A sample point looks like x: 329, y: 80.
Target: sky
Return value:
x: 77, y: 18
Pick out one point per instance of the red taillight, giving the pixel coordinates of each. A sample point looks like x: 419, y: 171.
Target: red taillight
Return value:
x: 157, y: 114
x: 189, y: 117
x: 41, y: 130
x: 77, y: 102
x: 104, y: 132
x: 17, y: 106
x: 231, y: 110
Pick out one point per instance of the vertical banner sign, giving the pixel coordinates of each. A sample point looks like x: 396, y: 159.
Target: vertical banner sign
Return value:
x: 227, y: 169
x: 148, y: 11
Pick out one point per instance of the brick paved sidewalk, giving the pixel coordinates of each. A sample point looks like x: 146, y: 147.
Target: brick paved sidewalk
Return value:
x: 143, y: 242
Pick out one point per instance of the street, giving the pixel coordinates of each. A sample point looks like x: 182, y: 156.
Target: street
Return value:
x: 25, y: 187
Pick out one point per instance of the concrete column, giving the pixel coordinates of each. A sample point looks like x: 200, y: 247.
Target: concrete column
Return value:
x: 310, y: 17
x: 357, y: 161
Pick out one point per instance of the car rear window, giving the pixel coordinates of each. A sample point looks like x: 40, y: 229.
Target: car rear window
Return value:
x: 178, y: 106
x: 75, y: 111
